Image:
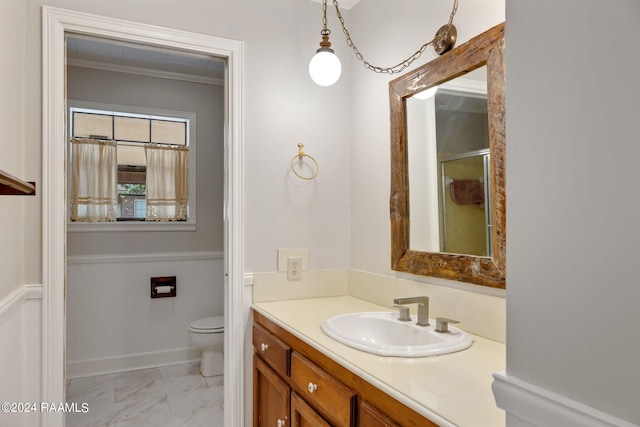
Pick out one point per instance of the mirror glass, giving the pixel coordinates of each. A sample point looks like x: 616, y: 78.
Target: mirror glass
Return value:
x: 447, y: 202
x: 449, y: 167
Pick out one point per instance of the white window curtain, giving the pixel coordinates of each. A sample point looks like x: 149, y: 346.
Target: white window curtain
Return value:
x: 94, y: 173
x: 167, y: 182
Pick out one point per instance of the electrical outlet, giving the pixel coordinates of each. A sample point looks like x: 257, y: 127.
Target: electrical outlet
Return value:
x: 285, y: 254
x: 294, y: 268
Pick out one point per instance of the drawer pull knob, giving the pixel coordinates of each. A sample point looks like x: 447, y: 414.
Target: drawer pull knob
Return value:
x: 281, y: 423
x: 312, y: 387
x: 264, y: 347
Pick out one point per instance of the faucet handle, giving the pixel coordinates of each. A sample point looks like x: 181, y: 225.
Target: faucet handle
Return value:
x: 404, y: 313
x: 442, y: 324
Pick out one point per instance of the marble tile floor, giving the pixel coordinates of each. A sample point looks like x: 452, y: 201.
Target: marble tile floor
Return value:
x: 167, y: 396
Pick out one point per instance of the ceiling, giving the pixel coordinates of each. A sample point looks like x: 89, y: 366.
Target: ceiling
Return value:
x: 114, y: 55
x: 139, y: 59
x: 344, y: 4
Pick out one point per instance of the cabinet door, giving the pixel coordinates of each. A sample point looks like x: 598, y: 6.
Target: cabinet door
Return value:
x: 371, y: 417
x: 303, y: 415
x: 270, y: 397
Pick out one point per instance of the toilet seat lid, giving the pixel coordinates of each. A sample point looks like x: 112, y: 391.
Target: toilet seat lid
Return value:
x: 209, y: 323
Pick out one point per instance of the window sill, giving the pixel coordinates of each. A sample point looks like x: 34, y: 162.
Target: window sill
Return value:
x: 80, y: 227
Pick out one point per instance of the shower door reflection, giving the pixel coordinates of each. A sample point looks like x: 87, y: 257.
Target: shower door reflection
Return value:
x: 464, y: 203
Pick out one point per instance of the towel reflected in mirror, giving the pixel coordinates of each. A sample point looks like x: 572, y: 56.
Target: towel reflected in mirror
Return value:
x: 467, y: 191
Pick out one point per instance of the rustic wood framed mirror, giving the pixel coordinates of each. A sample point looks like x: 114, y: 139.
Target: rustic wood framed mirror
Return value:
x: 487, y: 49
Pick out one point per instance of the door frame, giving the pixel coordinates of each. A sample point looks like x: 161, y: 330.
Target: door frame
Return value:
x: 55, y: 23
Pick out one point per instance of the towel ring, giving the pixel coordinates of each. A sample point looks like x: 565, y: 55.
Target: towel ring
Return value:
x: 299, y: 156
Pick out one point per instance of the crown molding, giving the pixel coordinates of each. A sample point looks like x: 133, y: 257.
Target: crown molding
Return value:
x: 144, y: 71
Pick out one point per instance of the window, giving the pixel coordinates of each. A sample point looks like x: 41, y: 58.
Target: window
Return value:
x: 153, y: 171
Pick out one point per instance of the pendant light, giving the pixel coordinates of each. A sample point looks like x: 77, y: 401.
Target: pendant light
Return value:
x: 325, y: 67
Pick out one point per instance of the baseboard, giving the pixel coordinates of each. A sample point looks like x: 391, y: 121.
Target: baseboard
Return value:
x: 131, y: 362
x: 537, y: 406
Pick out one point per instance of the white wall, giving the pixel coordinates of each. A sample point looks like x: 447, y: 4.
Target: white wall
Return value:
x: 572, y: 236
x: 282, y: 107
x: 112, y: 322
x: 12, y: 43
x: 20, y: 333
x: 15, y: 383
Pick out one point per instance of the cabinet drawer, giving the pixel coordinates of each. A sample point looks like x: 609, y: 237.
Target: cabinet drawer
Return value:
x: 331, y: 398
x: 272, y: 349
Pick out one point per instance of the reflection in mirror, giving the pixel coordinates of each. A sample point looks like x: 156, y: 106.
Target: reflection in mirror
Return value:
x: 449, y: 161
x: 447, y: 202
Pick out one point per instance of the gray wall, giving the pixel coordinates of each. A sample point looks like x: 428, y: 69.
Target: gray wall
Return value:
x: 572, y: 88
x: 572, y: 212
x: 86, y: 84
x: 110, y: 316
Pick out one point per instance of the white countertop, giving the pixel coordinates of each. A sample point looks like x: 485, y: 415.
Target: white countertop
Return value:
x: 451, y: 390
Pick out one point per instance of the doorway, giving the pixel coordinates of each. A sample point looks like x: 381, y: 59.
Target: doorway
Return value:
x: 57, y: 23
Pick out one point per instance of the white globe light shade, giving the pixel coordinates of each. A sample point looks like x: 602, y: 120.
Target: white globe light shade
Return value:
x: 325, y: 68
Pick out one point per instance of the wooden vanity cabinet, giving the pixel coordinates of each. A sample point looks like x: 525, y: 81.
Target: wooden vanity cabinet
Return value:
x: 313, y: 390
x: 371, y: 417
x: 303, y: 415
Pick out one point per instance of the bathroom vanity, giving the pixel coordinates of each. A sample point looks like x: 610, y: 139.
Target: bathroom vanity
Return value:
x: 304, y: 378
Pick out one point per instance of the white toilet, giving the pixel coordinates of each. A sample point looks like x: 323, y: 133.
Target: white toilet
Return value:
x: 208, y: 335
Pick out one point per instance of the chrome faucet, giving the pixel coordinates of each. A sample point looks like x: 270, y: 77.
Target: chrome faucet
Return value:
x: 423, y: 308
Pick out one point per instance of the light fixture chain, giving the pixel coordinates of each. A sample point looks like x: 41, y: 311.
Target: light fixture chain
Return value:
x: 324, y: 16
x: 400, y: 66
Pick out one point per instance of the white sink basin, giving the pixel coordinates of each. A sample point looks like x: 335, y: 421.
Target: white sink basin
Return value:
x: 383, y: 334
